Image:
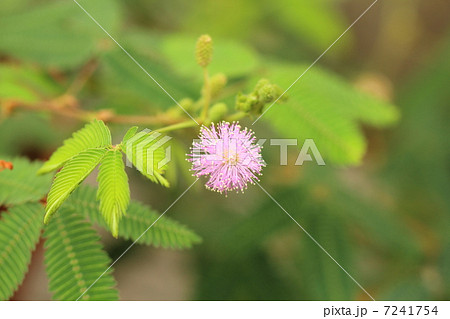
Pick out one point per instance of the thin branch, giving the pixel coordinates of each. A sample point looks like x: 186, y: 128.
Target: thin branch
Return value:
x: 67, y: 106
x: 206, y: 93
x: 82, y: 77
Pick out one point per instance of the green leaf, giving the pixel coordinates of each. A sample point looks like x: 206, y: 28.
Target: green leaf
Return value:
x: 108, y: 14
x: 93, y: 135
x: 165, y: 232
x: 129, y: 134
x: 39, y: 34
x: 21, y: 184
x: 48, y: 45
x: 233, y: 19
x: 71, y: 175
x: 113, y: 190
x: 346, y: 99
x: 57, y: 34
x: 324, y: 108
x: 147, y: 151
x: 301, y: 19
x: 324, y: 278
x: 74, y: 260
x: 20, y: 229
x: 26, y: 83
x: 380, y: 224
x: 124, y: 80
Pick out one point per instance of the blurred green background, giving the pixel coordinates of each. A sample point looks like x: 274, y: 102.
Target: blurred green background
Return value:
x: 386, y: 220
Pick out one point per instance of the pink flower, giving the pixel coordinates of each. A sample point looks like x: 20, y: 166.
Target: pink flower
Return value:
x: 228, y: 155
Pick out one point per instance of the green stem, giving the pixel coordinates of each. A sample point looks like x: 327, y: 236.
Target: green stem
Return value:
x: 235, y: 117
x: 177, y: 126
x: 206, y: 93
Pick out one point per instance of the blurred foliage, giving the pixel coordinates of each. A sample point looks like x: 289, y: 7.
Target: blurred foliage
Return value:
x: 385, y: 221
x: 331, y: 118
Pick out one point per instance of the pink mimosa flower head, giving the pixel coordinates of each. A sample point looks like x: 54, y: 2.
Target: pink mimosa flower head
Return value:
x: 228, y: 154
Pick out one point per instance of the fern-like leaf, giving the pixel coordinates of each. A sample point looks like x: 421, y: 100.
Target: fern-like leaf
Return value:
x: 147, y: 151
x: 72, y: 174
x: 21, y: 184
x: 326, y: 281
x: 129, y: 134
x: 74, y: 259
x: 113, y: 190
x: 165, y: 232
x: 20, y: 229
x: 93, y: 135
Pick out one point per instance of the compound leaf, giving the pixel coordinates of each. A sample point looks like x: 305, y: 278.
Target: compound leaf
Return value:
x: 129, y: 134
x: 122, y: 79
x: 20, y: 184
x: 26, y: 83
x: 72, y: 174
x: 165, y: 232
x: 75, y: 259
x: 331, y: 119
x: 56, y: 33
x: 324, y: 279
x: 20, y: 229
x: 93, y: 135
x: 299, y: 17
x: 147, y: 151
x: 113, y: 190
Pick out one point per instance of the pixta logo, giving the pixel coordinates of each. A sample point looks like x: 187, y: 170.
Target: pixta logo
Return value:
x: 148, y: 150
x: 304, y: 156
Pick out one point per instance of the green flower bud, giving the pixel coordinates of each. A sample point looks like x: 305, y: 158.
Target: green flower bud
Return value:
x: 279, y: 92
x: 252, y: 100
x: 267, y: 93
x: 203, y: 50
x: 218, y: 111
x: 260, y: 84
x: 176, y: 111
x: 187, y: 104
x: 263, y: 93
x: 241, y: 102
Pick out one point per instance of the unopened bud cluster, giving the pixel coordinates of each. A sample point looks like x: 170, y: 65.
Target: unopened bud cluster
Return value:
x: 263, y: 93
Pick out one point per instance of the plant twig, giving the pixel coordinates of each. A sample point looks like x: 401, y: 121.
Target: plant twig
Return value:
x: 177, y: 126
x: 82, y: 77
x: 67, y: 106
x: 206, y: 93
